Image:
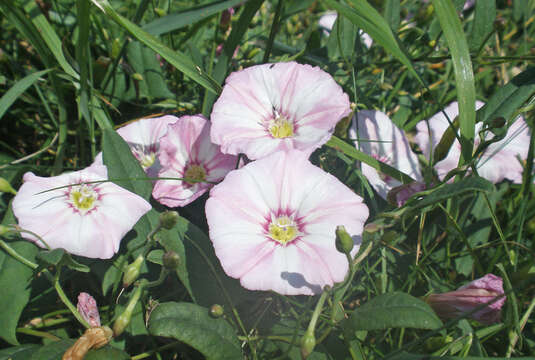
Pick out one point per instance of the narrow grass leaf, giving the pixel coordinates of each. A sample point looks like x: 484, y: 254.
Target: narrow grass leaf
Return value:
x: 174, y: 57
x: 353, y: 153
x: 177, y: 21
x: 192, y: 324
x: 483, y: 24
x: 370, y: 21
x: 16, y: 90
x: 464, y: 75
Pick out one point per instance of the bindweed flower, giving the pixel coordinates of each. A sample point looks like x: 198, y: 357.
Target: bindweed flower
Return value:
x: 272, y: 224
x: 465, y: 299
x: 143, y: 137
x: 380, y: 138
x: 84, y: 219
x: 272, y: 107
x: 87, y: 307
x: 498, y: 162
x: 327, y: 21
x: 186, y: 152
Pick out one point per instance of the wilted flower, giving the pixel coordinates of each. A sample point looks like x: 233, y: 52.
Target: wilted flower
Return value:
x: 379, y: 137
x: 84, y: 219
x: 498, y: 162
x: 272, y: 107
x: 186, y: 152
x: 143, y: 137
x: 87, y: 307
x: 468, y: 297
x: 399, y: 195
x: 273, y: 222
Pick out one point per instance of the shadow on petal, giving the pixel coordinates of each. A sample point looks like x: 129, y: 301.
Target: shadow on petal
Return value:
x: 297, y: 281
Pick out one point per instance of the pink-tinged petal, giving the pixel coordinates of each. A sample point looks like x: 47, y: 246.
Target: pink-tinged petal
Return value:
x: 379, y: 137
x: 498, y: 162
x: 304, y: 98
x: 91, y: 228
x: 186, y: 145
x: 143, y: 137
x: 327, y: 20
x: 87, y: 307
x: 245, y: 210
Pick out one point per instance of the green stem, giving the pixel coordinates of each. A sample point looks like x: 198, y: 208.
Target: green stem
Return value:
x: 317, y: 312
x: 274, y: 29
x: 17, y: 256
x: 498, y: 228
x: 37, y: 333
x: 67, y: 302
x: 523, y: 322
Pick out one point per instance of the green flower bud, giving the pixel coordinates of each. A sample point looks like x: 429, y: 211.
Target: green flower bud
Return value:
x: 308, y: 342
x: 216, y: 311
x: 4, y: 229
x: 344, y: 242
x: 131, y: 272
x: 169, y: 219
x: 122, y: 321
x: 6, y: 187
x: 170, y: 260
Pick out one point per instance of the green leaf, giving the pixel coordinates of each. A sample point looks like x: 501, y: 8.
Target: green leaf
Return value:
x: 14, y: 92
x: 22, y: 352
x: 144, y: 62
x: 175, y: 58
x: 107, y: 353
x: 123, y: 167
x: 392, y: 13
x: 483, y: 25
x: 407, y: 356
x: 507, y: 99
x: 15, y: 280
x: 177, y: 21
x: 445, y: 191
x: 394, y: 310
x: 155, y: 256
x: 59, y: 258
x: 192, y: 324
x: 464, y: 75
x: 352, y: 152
x: 364, y: 16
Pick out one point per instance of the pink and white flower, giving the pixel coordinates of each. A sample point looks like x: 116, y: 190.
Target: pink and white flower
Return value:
x: 272, y: 107
x: 273, y: 222
x: 498, y: 162
x: 84, y: 219
x: 186, y: 152
x: 380, y: 138
x: 143, y: 137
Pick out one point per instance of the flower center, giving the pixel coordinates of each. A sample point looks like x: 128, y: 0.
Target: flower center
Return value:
x: 195, y: 172
x: 146, y: 160
x: 83, y: 198
x: 283, y: 229
x: 281, y: 127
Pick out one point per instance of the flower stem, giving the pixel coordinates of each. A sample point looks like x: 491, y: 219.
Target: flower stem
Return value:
x: 317, y: 312
x: 41, y: 334
x: 17, y: 256
x: 68, y: 303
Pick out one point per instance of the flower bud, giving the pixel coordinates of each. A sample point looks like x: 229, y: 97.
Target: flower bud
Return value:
x: 216, y: 311
x: 4, y: 229
x: 344, y: 242
x: 122, y: 321
x: 169, y: 219
x: 399, y: 195
x: 87, y: 307
x: 308, y: 342
x: 131, y: 272
x: 468, y: 297
x: 170, y: 260
x: 6, y: 187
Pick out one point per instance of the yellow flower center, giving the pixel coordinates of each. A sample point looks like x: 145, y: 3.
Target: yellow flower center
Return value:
x: 146, y: 160
x: 281, y: 127
x: 283, y: 229
x: 83, y: 197
x: 195, y: 172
